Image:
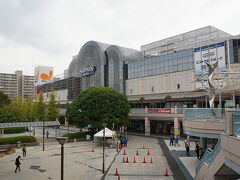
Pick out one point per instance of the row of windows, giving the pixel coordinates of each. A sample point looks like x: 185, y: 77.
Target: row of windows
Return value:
x: 177, y: 61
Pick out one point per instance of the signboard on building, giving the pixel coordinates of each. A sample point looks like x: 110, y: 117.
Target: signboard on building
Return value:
x: 87, y: 71
x: 150, y: 110
x: 209, y: 54
x: 42, y: 75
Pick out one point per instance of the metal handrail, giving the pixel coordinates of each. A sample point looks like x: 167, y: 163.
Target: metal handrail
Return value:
x: 209, y: 155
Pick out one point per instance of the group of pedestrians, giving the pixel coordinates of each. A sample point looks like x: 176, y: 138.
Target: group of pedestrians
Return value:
x: 17, y: 161
x: 123, y: 141
x: 172, y: 140
x: 198, y: 149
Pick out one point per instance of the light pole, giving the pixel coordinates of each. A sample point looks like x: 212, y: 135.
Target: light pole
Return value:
x: 43, y: 135
x: 62, y: 141
x: 117, y: 134
x: 104, y: 126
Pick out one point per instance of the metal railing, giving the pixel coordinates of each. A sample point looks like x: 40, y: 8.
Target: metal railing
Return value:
x: 236, y: 122
x: 204, y: 113
x: 209, y: 155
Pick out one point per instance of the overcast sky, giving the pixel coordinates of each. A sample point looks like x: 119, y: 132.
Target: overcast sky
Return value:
x: 50, y: 32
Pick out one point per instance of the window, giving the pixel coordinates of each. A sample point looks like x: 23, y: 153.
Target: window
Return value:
x: 178, y: 86
x: 152, y: 89
x: 131, y: 91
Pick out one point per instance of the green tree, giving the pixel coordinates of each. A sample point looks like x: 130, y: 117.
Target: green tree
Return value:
x: 52, y: 110
x: 98, y: 104
x: 4, y: 100
x: 11, y: 113
x: 34, y: 110
x: 28, y: 112
x: 41, y: 108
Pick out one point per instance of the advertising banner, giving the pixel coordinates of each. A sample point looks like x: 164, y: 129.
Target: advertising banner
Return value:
x: 159, y: 110
x: 208, y: 54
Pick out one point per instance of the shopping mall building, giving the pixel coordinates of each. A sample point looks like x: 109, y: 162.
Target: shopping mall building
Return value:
x: 162, y: 76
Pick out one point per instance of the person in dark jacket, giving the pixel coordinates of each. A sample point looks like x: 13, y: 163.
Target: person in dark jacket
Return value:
x: 17, y: 163
x: 197, y: 149
x: 125, y: 141
x: 171, y: 140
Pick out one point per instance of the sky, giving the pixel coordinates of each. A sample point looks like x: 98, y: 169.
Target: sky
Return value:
x: 50, y: 32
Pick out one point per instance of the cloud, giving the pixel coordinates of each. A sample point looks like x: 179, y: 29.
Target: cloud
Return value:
x: 51, y: 32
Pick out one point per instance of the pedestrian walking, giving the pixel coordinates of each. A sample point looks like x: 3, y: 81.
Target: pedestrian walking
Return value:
x: 187, y: 146
x: 171, y: 140
x: 17, y: 163
x: 200, y: 153
x: 24, y: 150
x: 197, y: 148
x: 125, y: 141
x: 176, y: 141
x: 47, y: 134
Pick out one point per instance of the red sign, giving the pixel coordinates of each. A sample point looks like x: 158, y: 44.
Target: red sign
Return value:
x: 159, y: 110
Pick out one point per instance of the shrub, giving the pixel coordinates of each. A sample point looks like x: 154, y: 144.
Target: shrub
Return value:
x: 14, y: 130
x: 14, y: 140
x: 77, y: 135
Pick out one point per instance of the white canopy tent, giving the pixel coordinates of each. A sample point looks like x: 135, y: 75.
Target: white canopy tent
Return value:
x: 108, y: 135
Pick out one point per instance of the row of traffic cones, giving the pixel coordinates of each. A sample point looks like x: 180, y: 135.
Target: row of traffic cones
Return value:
x: 124, y: 153
x: 116, y: 174
x: 134, y: 160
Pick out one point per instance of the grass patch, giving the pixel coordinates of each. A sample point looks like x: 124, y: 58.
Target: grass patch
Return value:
x: 14, y: 130
x: 14, y: 140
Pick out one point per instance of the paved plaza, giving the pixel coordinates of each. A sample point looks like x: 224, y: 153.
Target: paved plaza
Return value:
x: 140, y: 170
x: 81, y: 163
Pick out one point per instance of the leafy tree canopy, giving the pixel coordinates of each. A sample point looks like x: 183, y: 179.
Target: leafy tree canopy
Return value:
x: 4, y: 100
x: 41, y: 108
x: 52, y: 110
x: 96, y: 105
x: 11, y: 113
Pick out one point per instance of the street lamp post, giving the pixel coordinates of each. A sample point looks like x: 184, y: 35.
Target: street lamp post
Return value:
x: 43, y: 135
x: 104, y: 126
x: 62, y: 141
x: 117, y: 134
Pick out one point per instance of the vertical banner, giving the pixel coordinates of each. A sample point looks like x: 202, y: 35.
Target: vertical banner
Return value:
x: 198, y: 64
x: 221, y: 57
x: 205, y: 58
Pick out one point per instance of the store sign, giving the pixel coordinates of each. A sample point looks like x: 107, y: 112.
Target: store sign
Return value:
x: 159, y: 110
x: 208, y: 54
x: 87, y: 71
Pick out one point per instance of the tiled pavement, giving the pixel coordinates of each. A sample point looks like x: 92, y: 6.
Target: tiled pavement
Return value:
x: 140, y: 170
x: 79, y: 162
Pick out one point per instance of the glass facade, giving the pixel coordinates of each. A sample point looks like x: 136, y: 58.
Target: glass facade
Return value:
x: 234, y: 49
x: 169, y: 63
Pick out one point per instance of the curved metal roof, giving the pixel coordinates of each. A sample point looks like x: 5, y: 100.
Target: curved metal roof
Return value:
x: 29, y: 124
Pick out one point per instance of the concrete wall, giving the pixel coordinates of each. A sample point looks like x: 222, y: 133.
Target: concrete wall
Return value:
x: 164, y: 83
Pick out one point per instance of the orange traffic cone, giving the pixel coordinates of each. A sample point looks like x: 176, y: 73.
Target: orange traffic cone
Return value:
x: 143, y: 146
x: 123, y: 160
x: 144, y: 161
x: 127, y: 160
x: 151, y: 160
x: 92, y: 150
x: 118, y: 177
x: 148, y: 153
x: 120, y: 146
x: 166, y: 173
x: 134, y: 161
x: 124, y: 152
x: 137, y: 153
x: 116, y: 174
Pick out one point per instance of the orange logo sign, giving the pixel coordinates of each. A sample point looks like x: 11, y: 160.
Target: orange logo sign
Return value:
x: 44, y: 76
